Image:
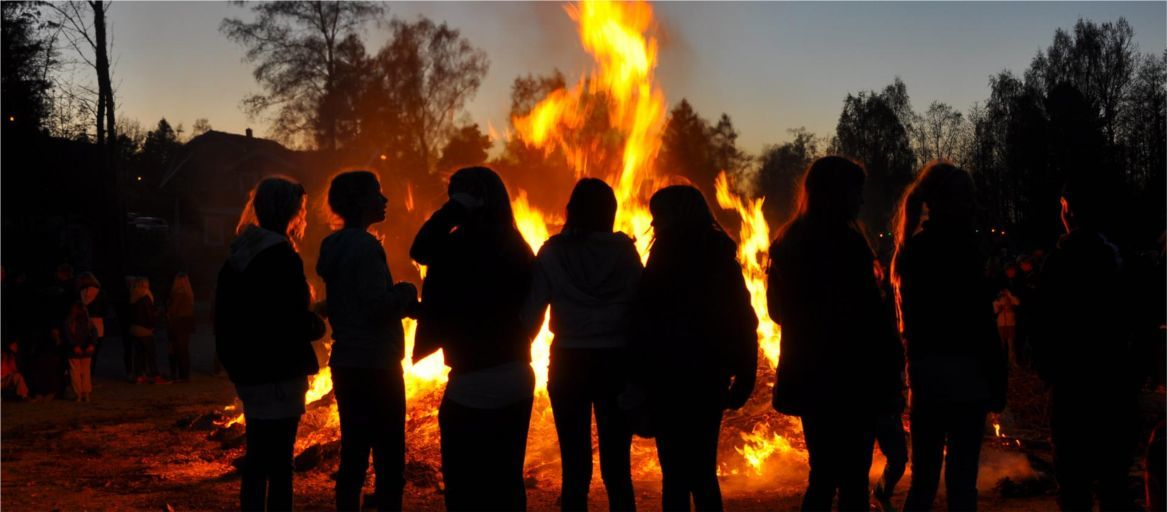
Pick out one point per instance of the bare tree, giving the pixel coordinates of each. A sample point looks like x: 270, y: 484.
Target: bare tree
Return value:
x: 296, y: 47
x: 83, y: 26
x: 428, y: 72
x: 937, y: 133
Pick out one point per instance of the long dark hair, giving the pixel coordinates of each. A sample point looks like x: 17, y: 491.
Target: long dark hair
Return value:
x: 948, y: 192
x: 682, y: 221
x: 824, y: 187
x: 591, y: 209
x: 495, y: 214
x: 277, y: 203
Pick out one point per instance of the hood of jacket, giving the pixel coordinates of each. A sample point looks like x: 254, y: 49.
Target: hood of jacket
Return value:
x: 250, y: 243
x: 591, y: 268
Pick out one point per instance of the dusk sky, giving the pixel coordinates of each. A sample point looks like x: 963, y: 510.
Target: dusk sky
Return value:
x: 770, y: 66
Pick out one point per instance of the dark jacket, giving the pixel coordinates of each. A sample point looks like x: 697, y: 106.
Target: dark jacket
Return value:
x: 477, y: 279
x: 364, y: 310
x: 839, y: 349
x: 589, y: 280
x: 954, y: 350
x: 80, y: 337
x: 263, y: 325
x: 1081, y: 338
x: 693, y: 328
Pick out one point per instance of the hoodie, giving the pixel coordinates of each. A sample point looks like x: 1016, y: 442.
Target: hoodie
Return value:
x: 363, y: 308
x: 263, y: 325
x: 589, y: 281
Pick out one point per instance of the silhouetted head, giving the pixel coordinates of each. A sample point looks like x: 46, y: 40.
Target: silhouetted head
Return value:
x: 946, y: 190
x: 484, y: 186
x: 355, y: 197
x: 1082, y: 204
x: 277, y: 204
x: 680, y: 209
x: 181, y: 286
x: 592, y: 208
x: 139, y: 287
x: 832, y: 189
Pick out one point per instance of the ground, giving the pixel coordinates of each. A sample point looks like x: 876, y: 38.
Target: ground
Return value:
x: 134, y: 448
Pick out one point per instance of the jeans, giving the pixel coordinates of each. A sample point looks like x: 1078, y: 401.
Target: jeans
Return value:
x: 371, y: 405
x: 948, y: 435
x: 686, y: 443
x: 267, y: 466
x: 483, y: 451
x: 839, y: 446
x: 580, y: 380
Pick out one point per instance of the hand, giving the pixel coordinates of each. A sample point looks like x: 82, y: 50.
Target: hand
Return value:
x: 469, y: 202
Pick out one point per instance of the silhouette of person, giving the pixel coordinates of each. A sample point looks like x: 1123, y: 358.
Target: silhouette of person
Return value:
x: 588, y: 275
x: 477, y: 280
x: 180, y: 326
x: 263, y: 333
x: 694, y: 347
x: 1083, y: 351
x: 365, y: 309
x: 956, y: 364
x: 841, y: 359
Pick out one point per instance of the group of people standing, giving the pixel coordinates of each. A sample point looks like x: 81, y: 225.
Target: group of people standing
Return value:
x: 659, y: 350
x: 59, y: 328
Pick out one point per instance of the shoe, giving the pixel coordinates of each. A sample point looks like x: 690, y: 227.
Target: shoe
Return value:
x: 160, y: 380
x: 141, y: 380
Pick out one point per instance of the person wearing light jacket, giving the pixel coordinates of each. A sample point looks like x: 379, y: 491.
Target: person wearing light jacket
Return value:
x: 365, y: 309
x: 588, y: 275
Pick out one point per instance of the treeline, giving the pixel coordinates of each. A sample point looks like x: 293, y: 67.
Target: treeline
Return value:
x: 1090, y: 105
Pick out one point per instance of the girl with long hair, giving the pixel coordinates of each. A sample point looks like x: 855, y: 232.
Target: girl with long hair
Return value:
x: 478, y: 277
x: 841, y: 359
x: 180, y: 326
x: 264, y: 330
x: 956, y: 365
x: 693, y: 344
x: 588, y: 275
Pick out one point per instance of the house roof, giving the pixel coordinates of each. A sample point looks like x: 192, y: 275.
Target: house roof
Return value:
x: 228, y: 151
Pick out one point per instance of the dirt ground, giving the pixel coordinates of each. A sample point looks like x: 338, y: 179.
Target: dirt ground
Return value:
x: 133, y: 448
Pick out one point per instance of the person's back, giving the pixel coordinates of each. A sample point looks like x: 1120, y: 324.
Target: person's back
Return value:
x: 590, y: 280
x: 1081, y: 349
x: 588, y: 275
x: 1082, y: 340
x: 948, y: 320
x: 821, y: 273
x: 256, y: 337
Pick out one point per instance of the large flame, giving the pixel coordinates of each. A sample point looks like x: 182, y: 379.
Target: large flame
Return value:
x: 619, y: 36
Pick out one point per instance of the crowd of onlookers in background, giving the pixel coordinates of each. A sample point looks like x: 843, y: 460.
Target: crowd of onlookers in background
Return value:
x: 55, y: 326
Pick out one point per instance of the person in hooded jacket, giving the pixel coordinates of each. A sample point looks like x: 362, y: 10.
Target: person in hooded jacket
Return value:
x: 1082, y: 348
x: 956, y: 364
x: 92, y: 295
x: 365, y: 309
x: 477, y: 281
x: 180, y: 326
x: 842, y: 362
x: 80, y: 339
x: 264, y: 329
x: 693, y: 347
x: 588, y: 275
